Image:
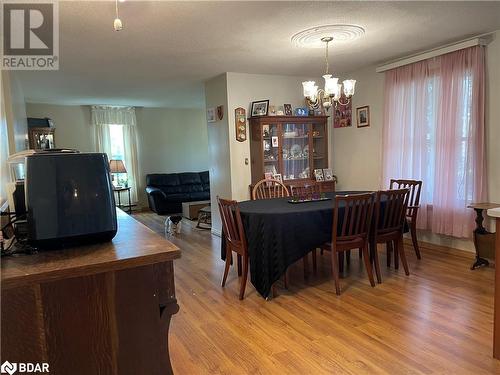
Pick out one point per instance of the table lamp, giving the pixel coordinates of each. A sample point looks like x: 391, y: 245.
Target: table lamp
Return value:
x: 116, y: 166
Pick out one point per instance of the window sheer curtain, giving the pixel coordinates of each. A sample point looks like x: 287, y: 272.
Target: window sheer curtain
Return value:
x: 105, y: 116
x: 434, y: 131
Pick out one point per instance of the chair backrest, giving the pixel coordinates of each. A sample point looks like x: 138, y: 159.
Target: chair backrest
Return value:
x: 355, y: 218
x: 232, y: 224
x: 266, y: 189
x: 414, y: 188
x: 306, y: 191
x: 391, y: 217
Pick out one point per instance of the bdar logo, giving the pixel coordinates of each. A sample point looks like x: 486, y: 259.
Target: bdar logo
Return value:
x: 8, y: 368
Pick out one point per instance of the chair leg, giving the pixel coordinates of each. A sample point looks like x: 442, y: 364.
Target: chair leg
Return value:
x: 413, y: 230
x: 315, y: 262
x: 389, y: 251
x: 239, y: 264
x: 401, y: 249
x: 360, y: 253
x: 368, y: 265
x: 244, y: 279
x: 348, y: 257
x: 335, y: 271
x: 305, y: 261
x: 374, y: 255
x: 396, y: 255
x: 341, y: 261
x: 229, y: 258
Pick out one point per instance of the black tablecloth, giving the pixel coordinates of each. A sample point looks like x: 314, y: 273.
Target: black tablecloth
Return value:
x: 280, y: 233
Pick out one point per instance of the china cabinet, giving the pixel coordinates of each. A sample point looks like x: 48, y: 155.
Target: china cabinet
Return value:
x: 292, y: 146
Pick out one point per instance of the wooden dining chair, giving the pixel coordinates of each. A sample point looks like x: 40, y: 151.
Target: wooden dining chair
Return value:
x: 234, y: 235
x: 388, y: 227
x: 267, y: 189
x: 414, y: 188
x: 351, y: 230
x: 306, y: 190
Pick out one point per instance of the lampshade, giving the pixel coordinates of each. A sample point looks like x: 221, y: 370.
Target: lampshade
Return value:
x: 310, y: 89
x: 117, y: 166
x: 349, y: 87
x: 330, y: 84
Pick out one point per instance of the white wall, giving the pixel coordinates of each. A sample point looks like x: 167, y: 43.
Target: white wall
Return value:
x: 357, y: 152
x: 242, y: 90
x: 170, y: 140
x: 218, y: 147
x: 15, y: 111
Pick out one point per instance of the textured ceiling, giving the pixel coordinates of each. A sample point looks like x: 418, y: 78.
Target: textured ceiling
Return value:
x: 167, y: 49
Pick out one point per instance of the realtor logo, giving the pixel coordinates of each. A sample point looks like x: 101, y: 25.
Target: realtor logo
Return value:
x: 8, y: 368
x: 30, y: 35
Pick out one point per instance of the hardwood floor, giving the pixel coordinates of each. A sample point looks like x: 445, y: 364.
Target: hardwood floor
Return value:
x: 439, y: 320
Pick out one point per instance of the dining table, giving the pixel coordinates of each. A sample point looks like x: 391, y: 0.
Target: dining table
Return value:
x: 280, y: 232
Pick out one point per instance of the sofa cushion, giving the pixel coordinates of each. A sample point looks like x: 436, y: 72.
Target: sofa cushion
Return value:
x: 205, y: 177
x: 189, y: 178
x: 163, y: 179
x: 199, y: 196
x: 191, y: 188
x: 181, y: 197
x: 171, y: 189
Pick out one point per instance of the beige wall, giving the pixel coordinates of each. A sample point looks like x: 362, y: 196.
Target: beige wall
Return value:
x: 242, y: 90
x: 4, y: 147
x: 218, y: 147
x: 72, y: 124
x: 357, y: 152
x: 170, y: 140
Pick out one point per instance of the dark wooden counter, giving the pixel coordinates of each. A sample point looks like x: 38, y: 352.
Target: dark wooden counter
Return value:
x: 102, y: 308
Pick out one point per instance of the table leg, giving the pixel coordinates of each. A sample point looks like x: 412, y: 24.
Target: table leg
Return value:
x: 129, y: 203
x: 480, y: 229
x: 119, y: 199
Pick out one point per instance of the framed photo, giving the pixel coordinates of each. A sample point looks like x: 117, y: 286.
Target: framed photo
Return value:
x: 211, y: 114
x: 274, y: 140
x: 327, y: 174
x: 260, y: 108
x: 301, y: 112
x: 318, y: 174
x: 363, y: 116
x: 288, y: 110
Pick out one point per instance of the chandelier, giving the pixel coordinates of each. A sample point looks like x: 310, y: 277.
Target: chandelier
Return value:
x: 331, y: 95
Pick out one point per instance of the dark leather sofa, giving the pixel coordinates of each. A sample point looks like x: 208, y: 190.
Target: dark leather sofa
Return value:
x: 166, y: 192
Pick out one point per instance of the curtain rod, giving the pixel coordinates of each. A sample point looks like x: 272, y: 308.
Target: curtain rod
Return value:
x: 480, y: 40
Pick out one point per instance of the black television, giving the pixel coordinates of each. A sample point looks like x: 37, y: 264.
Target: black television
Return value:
x: 69, y: 199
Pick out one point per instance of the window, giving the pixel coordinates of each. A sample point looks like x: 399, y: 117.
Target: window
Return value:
x: 434, y: 132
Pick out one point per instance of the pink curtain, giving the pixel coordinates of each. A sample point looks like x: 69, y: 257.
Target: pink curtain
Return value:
x: 434, y: 131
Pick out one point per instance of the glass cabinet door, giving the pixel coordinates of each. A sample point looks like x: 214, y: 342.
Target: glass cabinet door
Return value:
x: 319, y: 152
x: 295, y: 151
x: 270, y: 145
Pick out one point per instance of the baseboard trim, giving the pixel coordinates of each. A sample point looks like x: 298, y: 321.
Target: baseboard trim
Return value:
x: 440, y: 248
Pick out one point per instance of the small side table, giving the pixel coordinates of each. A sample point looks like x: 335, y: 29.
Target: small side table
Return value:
x: 204, y: 218
x: 484, y: 241
x: 119, y: 191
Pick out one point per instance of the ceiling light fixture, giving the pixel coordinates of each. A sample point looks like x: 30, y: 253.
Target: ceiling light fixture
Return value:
x: 332, y: 93
x: 117, y: 24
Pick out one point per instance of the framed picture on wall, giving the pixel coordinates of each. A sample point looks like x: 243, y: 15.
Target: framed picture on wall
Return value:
x: 211, y: 114
x: 363, y: 116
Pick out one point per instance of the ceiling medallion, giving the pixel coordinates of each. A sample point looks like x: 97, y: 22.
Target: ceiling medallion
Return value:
x: 312, y: 38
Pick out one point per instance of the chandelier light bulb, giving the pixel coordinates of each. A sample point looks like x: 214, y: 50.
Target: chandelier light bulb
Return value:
x: 117, y: 24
